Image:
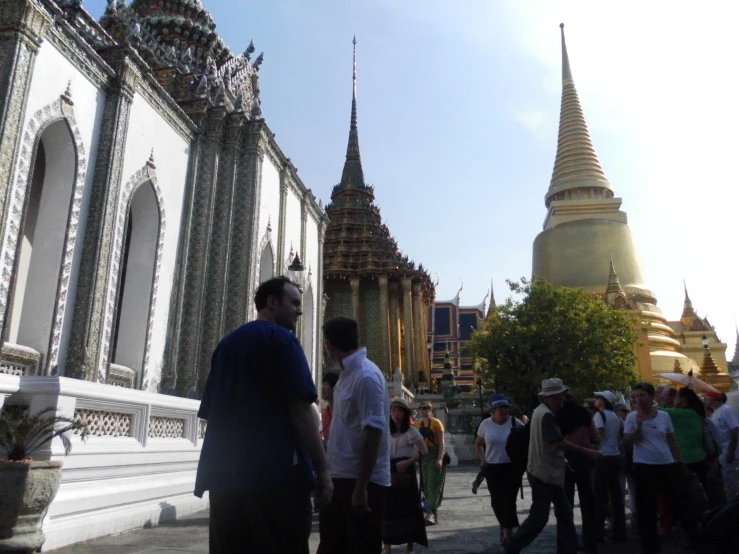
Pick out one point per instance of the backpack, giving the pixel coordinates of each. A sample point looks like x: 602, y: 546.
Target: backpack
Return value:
x: 517, y: 445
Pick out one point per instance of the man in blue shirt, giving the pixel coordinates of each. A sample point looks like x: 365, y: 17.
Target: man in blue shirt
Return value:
x: 262, y: 443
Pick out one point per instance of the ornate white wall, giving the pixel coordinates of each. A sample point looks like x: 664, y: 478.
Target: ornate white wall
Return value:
x: 269, y: 204
x: 53, y: 75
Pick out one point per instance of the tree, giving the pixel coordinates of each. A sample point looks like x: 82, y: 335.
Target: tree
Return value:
x: 555, y: 332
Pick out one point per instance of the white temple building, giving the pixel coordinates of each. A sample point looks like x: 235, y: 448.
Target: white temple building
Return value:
x: 143, y: 198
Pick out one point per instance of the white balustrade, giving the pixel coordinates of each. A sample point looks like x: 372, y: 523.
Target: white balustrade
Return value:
x: 136, y: 467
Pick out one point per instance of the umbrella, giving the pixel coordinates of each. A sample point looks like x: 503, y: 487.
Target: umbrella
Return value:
x: 688, y: 381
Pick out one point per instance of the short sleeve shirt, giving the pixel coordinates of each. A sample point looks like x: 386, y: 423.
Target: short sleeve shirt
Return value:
x: 610, y: 431
x: 250, y: 445
x: 402, y: 446
x: 495, y: 436
x: 652, y: 448
x: 428, y: 432
x: 360, y: 401
x: 726, y: 420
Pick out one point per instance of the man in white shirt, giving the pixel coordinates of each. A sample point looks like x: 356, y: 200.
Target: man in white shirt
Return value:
x: 358, y: 447
x: 609, y: 496
x: 727, y: 421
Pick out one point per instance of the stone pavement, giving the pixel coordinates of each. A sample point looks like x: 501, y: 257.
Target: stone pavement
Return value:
x: 466, y: 525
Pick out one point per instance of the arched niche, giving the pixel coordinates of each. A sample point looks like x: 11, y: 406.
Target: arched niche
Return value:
x: 45, y: 200
x: 135, y: 269
x: 309, y: 326
x: 266, y: 263
x: 136, y: 281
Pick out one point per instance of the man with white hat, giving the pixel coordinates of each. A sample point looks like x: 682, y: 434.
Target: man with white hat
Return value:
x: 546, y: 473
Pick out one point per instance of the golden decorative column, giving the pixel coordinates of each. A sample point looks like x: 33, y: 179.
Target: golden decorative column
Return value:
x: 395, y: 357
x: 354, y: 284
x: 419, y: 335
x: 409, y: 366
x: 384, y: 361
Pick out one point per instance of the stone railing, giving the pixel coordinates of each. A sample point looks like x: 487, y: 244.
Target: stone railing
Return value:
x: 397, y: 388
x: 136, y: 466
x: 19, y: 360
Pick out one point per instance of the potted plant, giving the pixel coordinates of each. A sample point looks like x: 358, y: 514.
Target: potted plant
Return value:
x: 29, y: 486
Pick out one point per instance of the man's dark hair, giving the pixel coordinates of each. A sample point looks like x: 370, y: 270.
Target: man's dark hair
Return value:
x: 342, y: 332
x: 672, y: 391
x: 646, y: 387
x: 272, y: 287
x: 331, y: 378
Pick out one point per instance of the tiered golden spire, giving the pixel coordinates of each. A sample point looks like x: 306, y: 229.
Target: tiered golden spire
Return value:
x: 677, y: 368
x: 708, y: 367
x: 614, y: 285
x: 353, y: 175
x: 735, y: 359
x: 688, y: 310
x: 576, y: 165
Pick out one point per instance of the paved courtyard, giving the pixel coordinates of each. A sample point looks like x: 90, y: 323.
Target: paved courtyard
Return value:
x: 466, y: 525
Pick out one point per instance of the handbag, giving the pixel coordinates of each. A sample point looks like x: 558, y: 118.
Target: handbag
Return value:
x: 445, y: 460
x: 400, y: 480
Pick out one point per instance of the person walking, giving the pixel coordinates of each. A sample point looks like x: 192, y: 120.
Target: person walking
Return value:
x: 433, y: 469
x: 262, y: 444
x: 576, y: 424
x: 546, y: 473
x: 607, y: 488
x: 502, y: 479
x: 657, y: 466
x: 403, y: 515
x: 358, y: 447
x: 727, y: 421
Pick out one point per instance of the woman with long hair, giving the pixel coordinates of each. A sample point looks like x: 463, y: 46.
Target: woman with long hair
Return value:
x: 503, y: 480
x: 658, y: 468
x: 403, y: 521
x: 433, y: 470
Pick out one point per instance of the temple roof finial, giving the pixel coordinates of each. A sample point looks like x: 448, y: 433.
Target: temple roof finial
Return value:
x: 353, y: 175
x: 576, y: 165
x: 491, y: 305
x: 735, y: 359
x: 614, y: 285
x: 688, y: 311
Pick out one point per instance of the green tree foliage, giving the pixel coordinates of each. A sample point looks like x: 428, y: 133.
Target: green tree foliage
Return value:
x: 551, y: 331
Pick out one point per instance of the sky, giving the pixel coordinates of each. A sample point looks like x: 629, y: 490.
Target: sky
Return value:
x: 458, y: 112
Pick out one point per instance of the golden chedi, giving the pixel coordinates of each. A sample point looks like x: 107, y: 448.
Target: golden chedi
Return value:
x: 585, y: 231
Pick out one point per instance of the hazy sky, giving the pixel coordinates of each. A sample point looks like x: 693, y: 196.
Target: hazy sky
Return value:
x: 458, y: 112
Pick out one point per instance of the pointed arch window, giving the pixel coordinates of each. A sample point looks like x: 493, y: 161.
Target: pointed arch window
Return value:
x: 42, y: 241
x: 266, y: 264
x: 136, y: 282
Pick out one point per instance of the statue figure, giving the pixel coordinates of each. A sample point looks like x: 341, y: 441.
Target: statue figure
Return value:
x: 186, y: 59
x: 135, y: 31
x: 249, y: 50
x: 220, y: 97
x: 111, y: 7
x: 258, y: 62
x: 202, y: 90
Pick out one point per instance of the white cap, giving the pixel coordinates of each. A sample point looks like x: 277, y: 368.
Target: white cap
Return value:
x: 608, y: 395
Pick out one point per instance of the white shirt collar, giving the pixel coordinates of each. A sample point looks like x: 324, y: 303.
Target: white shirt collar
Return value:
x: 355, y: 360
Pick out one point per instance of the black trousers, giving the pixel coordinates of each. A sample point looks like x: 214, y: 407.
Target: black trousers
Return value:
x: 503, y: 482
x: 609, y: 497
x: 268, y: 523
x: 581, y: 477
x: 344, y: 532
x: 651, y: 480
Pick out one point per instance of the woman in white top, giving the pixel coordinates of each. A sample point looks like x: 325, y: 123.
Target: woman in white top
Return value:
x: 502, y: 479
x: 403, y: 520
x: 657, y: 466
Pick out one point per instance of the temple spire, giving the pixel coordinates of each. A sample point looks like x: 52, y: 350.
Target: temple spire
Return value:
x: 614, y: 285
x: 353, y: 175
x: 576, y: 165
x: 491, y: 305
x: 688, y: 311
x: 735, y: 359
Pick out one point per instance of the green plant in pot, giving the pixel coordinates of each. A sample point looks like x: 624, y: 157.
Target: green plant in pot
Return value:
x: 29, y: 486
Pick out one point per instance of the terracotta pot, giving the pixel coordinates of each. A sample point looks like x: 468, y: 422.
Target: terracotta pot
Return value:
x: 27, y: 491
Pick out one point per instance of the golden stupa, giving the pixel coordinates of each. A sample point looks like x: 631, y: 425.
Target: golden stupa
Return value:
x: 585, y: 232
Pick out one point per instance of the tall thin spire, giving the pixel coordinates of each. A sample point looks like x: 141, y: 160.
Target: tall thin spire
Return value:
x: 688, y: 311
x: 353, y: 175
x: 491, y: 305
x: 614, y: 285
x: 735, y: 359
x: 576, y: 165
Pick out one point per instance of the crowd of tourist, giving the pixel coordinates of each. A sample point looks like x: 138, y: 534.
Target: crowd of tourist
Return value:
x: 671, y: 450
x: 376, y: 477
